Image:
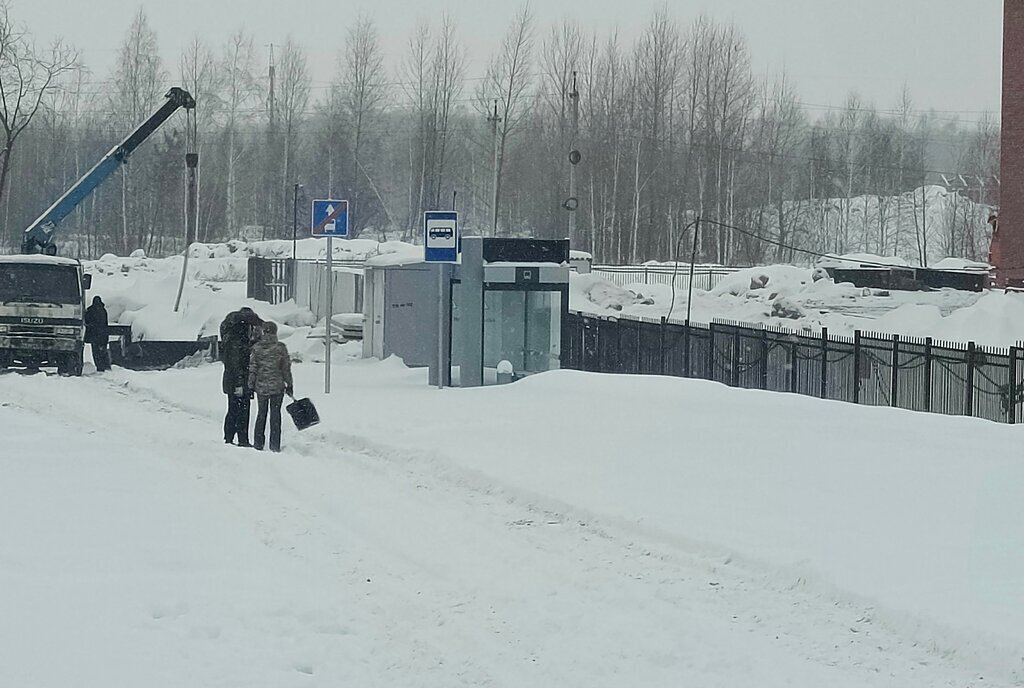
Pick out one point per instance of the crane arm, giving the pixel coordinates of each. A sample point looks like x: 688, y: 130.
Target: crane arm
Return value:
x: 39, y: 235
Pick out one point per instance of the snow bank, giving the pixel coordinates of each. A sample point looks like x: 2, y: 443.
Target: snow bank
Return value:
x: 141, y: 292
x: 602, y: 294
x: 856, y: 260
x: 313, y: 248
x: 961, y: 264
x: 792, y: 297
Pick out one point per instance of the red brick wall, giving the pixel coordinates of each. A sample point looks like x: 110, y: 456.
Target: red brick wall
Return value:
x: 1008, y: 246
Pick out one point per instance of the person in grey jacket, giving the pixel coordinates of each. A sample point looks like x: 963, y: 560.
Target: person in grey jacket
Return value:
x: 270, y: 377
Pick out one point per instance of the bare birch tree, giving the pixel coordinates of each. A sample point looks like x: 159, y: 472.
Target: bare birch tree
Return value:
x: 294, y: 89
x: 138, y: 84
x: 27, y: 76
x: 362, y: 101
x: 507, y: 84
x: 241, y: 90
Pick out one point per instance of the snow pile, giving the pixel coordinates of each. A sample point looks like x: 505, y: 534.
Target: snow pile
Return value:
x: 861, y: 260
x: 791, y: 297
x: 778, y: 280
x: 396, y: 254
x: 602, y: 294
x: 141, y: 291
x: 311, y: 248
x: 995, y: 319
x: 961, y: 264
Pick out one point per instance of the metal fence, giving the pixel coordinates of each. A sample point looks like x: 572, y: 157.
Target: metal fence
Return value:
x: 881, y: 370
x: 276, y: 280
x: 270, y: 279
x: 704, y: 276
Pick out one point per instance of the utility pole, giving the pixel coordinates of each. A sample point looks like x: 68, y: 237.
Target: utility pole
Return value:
x: 494, y: 119
x: 271, y: 140
x: 574, y: 157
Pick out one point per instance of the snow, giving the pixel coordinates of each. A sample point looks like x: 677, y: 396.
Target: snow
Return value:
x: 891, y: 225
x: 407, y: 254
x: 140, y: 292
x: 961, y: 264
x: 312, y: 248
x: 38, y: 259
x: 758, y: 295
x: 861, y: 260
x: 569, y: 529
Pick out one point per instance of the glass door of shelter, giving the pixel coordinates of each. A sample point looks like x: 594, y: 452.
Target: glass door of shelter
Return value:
x: 523, y: 327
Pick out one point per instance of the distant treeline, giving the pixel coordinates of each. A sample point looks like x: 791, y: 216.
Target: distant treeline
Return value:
x: 668, y: 128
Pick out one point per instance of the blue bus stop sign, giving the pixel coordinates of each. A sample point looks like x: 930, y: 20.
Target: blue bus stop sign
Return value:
x: 441, y: 236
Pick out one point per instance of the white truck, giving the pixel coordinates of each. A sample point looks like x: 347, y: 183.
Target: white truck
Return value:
x: 42, y: 307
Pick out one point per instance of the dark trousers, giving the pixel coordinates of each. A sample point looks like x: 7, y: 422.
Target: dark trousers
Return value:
x: 100, y: 356
x: 236, y: 421
x: 271, y: 403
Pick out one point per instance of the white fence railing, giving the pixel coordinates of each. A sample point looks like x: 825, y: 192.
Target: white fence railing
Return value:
x: 704, y: 276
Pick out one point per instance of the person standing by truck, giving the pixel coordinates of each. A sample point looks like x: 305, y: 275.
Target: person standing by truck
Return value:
x: 97, y: 333
x: 270, y: 376
x: 238, y: 331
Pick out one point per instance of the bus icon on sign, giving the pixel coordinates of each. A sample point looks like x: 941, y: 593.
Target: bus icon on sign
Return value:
x: 443, y: 232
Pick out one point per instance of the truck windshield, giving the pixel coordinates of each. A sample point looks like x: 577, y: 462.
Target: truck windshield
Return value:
x: 35, y: 282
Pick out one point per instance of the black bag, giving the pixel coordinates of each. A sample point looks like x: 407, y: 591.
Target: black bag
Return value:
x: 303, y: 413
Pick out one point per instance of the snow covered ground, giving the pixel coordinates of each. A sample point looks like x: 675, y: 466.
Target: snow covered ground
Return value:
x: 570, y: 529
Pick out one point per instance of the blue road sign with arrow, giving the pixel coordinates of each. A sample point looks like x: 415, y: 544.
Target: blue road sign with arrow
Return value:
x: 329, y: 218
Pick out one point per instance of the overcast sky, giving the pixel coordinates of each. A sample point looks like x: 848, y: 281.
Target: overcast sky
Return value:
x: 947, y: 51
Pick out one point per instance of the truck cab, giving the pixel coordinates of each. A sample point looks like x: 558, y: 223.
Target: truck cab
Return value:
x: 42, y: 309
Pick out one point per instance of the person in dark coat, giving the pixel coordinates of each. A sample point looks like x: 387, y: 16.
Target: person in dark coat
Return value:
x: 97, y: 333
x: 238, y: 331
x: 270, y: 376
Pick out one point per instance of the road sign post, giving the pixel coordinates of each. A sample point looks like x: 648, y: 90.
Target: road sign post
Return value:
x: 329, y: 219
x: 440, y: 245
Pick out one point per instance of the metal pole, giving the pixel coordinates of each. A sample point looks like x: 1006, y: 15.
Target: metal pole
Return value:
x: 693, y: 259
x: 494, y: 119
x: 330, y: 315
x: 295, y: 219
x: 440, y: 326
x: 574, y: 95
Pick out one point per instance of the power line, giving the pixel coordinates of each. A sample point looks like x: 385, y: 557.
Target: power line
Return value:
x: 831, y: 256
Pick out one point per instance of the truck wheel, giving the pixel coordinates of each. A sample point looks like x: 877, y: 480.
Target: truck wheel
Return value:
x: 71, y: 365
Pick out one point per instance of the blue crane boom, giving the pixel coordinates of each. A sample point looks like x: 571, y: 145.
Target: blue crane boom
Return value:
x: 40, y: 234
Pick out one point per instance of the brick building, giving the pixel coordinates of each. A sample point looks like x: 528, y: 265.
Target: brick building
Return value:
x: 1007, y: 252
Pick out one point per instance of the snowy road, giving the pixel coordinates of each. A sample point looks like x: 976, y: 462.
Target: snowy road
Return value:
x: 138, y: 551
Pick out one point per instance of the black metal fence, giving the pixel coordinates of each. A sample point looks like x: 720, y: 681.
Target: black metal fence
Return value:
x: 270, y: 279
x: 881, y: 370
